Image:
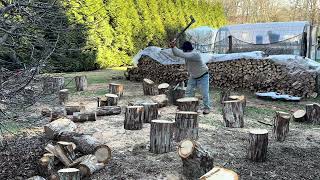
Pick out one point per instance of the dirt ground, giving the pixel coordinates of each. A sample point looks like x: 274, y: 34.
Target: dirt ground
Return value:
x: 297, y: 158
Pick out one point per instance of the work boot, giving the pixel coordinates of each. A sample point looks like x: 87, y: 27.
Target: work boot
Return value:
x: 206, y: 111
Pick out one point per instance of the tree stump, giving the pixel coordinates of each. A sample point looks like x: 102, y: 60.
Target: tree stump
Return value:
x: 281, y: 125
x: 36, y: 178
x: 299, y: 116
x: 161, y: 99
x: 90, y: 165
x: 177, y: 93
x: 108, y: 110
x: 81, y: 83
x: 55, y: 128
x: 84, y: 116
x: 258, y: 145
x: 196, y: 160
x: 232, y: 112
x: 313, y: 113
x: 150, y: 111
x: 188, y: 104
x: 240, y: 98
x: 164, y: 88
x: 58, y: 112
x: 149, y: 88
x: 220, y: 173
x: 224, y: 95
x: 52, y: 84
x: 63, y: 96
x: 133, y: 118
x: 69, y: 174
x: 116, y: 89
x: 88, y: 145
x: 72, y: 109
x: 108, y: 100
x: 186, y: 125
x: 161, y: 136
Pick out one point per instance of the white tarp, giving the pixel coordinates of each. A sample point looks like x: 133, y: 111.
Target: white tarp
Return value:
x: 202, y: 38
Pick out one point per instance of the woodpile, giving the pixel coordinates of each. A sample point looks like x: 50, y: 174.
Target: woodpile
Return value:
x: 255, y: 75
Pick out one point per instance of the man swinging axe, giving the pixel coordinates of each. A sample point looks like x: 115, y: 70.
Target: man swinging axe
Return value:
x: 197, y: 70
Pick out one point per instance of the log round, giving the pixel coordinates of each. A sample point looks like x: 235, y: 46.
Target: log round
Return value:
x: 233, y: 113
x: 258, y: 145
x: 46, y: 164
x: 188, y: 104
x: 52, y: 84
x: 149, y: 88
x: 58, y: 112
x: 281, y: 125
x: 299, y: 116
x: 196, y: 161
x: 108, y: 110
x: 186, y: 126
x: 150, y: 111
x: 313, y: 113
x: 116, y: 89
x: 69, y: 174
x: 133, y: 119
x: 72, y: 109
x: 55, y: 128
x: 90, y: 165
x: 81, y: 83
x: 164, y: 88
x: 36, y: 178
x: 109, y: 100
x: 177, y: 93
x: 220, y: 173
x: 63, y: 96
x: 161, y: 136
x: 84, y: 116
x: 240, y: 98
x: 161, y: 99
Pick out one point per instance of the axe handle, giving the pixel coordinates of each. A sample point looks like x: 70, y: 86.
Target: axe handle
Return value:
x: 184, y: 30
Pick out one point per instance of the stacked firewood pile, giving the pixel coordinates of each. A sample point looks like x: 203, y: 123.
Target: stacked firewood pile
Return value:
x: 254, y: 75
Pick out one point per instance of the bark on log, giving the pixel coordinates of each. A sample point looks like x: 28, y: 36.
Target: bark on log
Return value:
x: 46, y: 112
x: 55, y: 128
x: 220, y: 173
x: 150, y: 112
x: 188, y: 104
x: 149, y: 88
x: 116, y: 89
x: 81, y: 83
x: 177, y: 93
x: 281, y: 125
x: 46, y: 165
x: 52, y: 84
x: 63, y: 96
x: 59, y: 153
x: 88, y: 145
x: 133, y: 118
x: 69, y: 174
x: 108, y: 100
x: 232, y: 112
x: 164, y: 88
x: 240, y: 98
x: 196, y: 160
x: 72, y: 109
x: 313, y: 113
x: 299, y: 116
x: 84, y: 116
x: 224, y: 95
x: 161, y: 136
x: 258, y: 145
x: 108, y: 110
x: 162, y: 100
x: 186, y: 126
x: 68, y: 149
x: 58, y: 112
x: 36, y: 178
x: 90, y: 166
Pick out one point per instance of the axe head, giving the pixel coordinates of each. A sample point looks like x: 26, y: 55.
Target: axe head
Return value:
x: 192, y: 19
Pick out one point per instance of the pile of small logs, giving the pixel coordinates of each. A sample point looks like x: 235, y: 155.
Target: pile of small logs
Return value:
x: 255, y: 75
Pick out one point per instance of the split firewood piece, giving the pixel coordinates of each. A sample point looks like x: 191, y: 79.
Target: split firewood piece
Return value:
x: 233, y: 113
x: 164, y: 88
x: 133, y: 118
x: 176, y: 94
x: 109, y: 100
x: 69, y: 174
x: 46, y: 112
x: 81, y: 83
x: 313, y: 113
x: 224, y: 95
x: 161, y: 136
x: 116, y: 89
x: 36, y: 178
x: 196, y: 160
x: 186, y: 125
x: 161, y: 99
x: 72, y: 109
x: 108, y: 110
x: 281, y: 125
x: 63, y: 96
x: 59, y: 153
x: 88, y: 145
x: 188, y: 104
x: 68, y: 148
x: 218, y: 173
x: 90, y: 165
x: 149, y: 87
x: 77, y: 161
x: 258, y: 145
x: 58, y: 112
x: 84, y: 116
x: 150, y: 111
x: 55, y: 128
x: 299, y: 116
x: 46, y: 164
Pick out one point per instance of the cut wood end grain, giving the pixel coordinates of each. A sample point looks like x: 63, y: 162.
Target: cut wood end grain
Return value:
x: 186, y: 148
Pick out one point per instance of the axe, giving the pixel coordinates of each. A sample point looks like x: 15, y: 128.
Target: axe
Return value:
x: 192, y: 21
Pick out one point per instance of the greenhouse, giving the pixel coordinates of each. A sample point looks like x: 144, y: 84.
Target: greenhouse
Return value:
x: 295, y: 38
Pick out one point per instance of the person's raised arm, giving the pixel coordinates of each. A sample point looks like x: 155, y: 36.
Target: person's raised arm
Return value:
x: 187, y: 55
